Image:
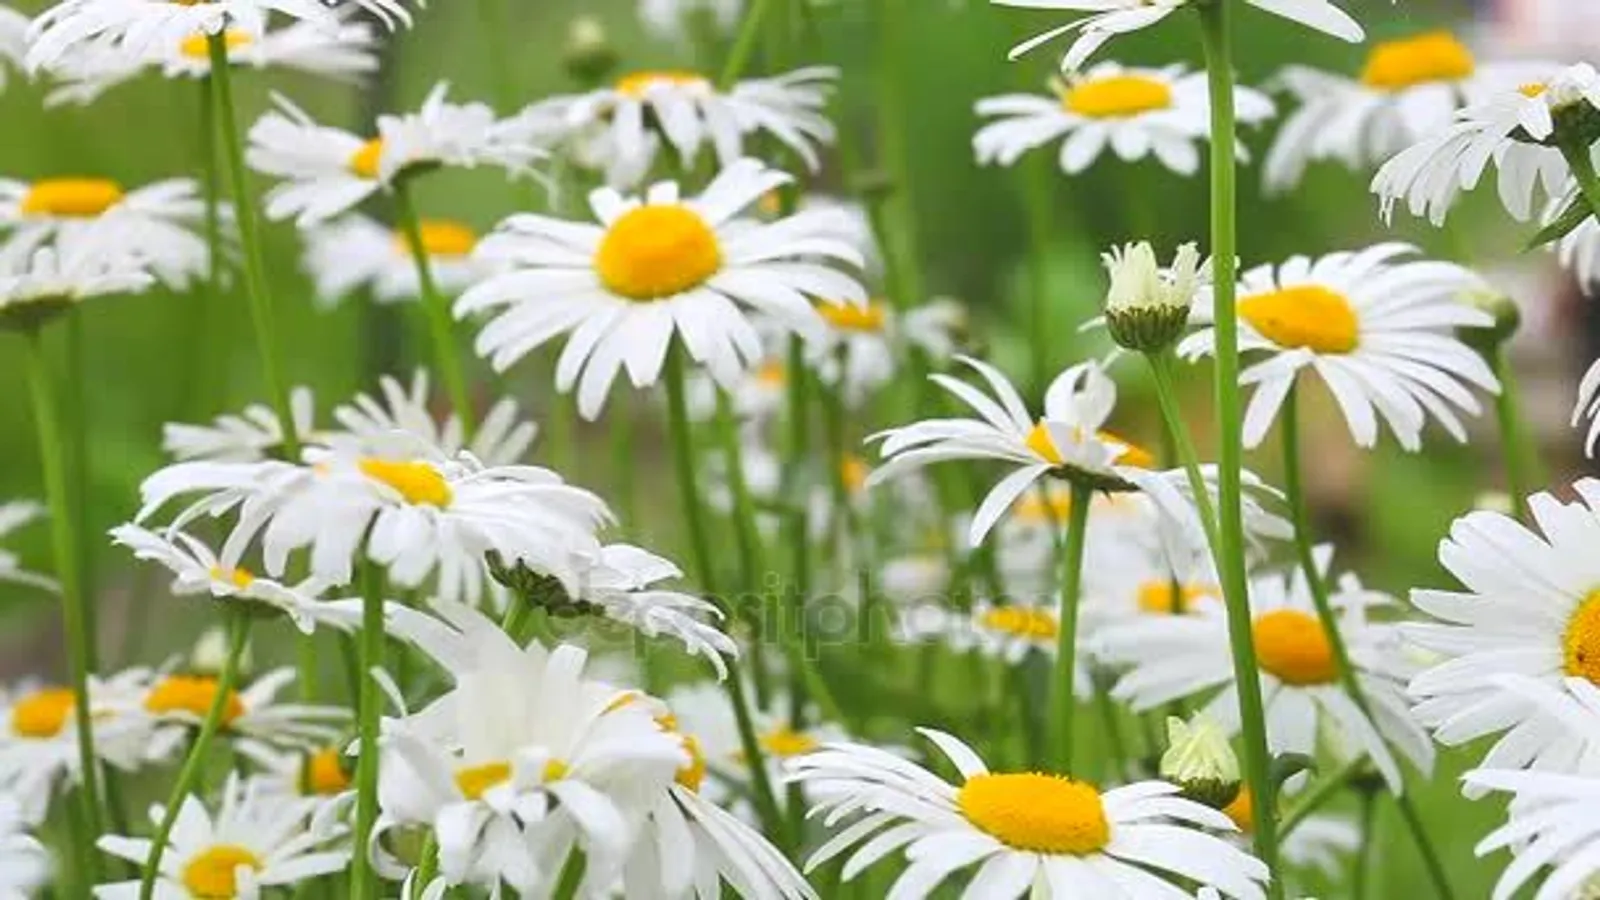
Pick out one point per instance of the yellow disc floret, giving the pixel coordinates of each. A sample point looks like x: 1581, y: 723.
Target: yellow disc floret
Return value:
x: 418, y: 482
x: 474, y: 781
x: 364, y: 162
x: 43, y: 713
x: 636, y: 85
x: 71, y: 198
x: 845, y: 317
x: 1037, y: 813
x: 1026, y: 622
x: 1117, y: 96
x: 214, y: 873
x: 192, y: 694
x: 195, y: 46
x: 655, y: 252
x: 1424, y: 59
x: 324, y: 774
x: 784, y: 742
x: 1159, y: 598
x: 1293, y: 647
x: 1581, y: 642
x: 442, y: 238
x: 1308, y: 316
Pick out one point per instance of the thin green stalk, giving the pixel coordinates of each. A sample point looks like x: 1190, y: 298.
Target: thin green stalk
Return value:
x: 751, y: 551
x: 744, y: 45
x: 571, y: 875
x: 1116, y: 745
x: 427, y: 868
x: 194, y: 765
x: 688, y: 478
x: 436, y: 309
x: 244, y: 211
x: 1182, y: 441
x: 75, y: 617
x: 1063, y: 701
x: 496, y: 33
x: 1361, y: 866
x: 364, y: 881
x: 1294, y: 490
x: 796, y: 447
x: 1522, y: 455
x: 1318, y: 795
x: 1037, y: 199
x: 1581, y: 163
x: 624, y: 460
x: 1216, y: 33
x: 899, y: 244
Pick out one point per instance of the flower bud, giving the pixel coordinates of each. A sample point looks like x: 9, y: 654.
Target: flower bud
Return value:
x: 588, y: 54
x: 1200, y: 760
x: 1507, y: 318
x: 1147, y: 308
x: 210, y: 653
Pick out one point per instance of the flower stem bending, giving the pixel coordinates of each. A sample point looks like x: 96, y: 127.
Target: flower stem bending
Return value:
x: 1581, y: 163
x: 363, y: 880
x: 1063, y: 701
x: 1294, y: 489
x: 75, y: 616
x: 238, y: 623
x: 1229, y: 548
x: 1521, y: 453
x: 436, y: 309
x: 255, y: 278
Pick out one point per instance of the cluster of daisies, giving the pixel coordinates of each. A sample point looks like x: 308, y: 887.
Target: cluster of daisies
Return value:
x: 490, y: 737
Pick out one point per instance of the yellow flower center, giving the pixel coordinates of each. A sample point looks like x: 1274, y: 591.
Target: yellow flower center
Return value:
x: 475, y: 781
x: 213, y: 875
x: 692, y: 775
x: 1426, y: 58
x: 659, y: 251
x: 418, y: 482
x: 191, y: 694
x: 845, y: 317
x: 1533, y: 89
x: 1054, y: 506
x: 1309, y: 316
x: 324, y: 774
x: 42, y: 714
x: 1027, y: 622
x: 1242, y: 810
x: 784, y: 742
x: 853, y: 472
x: 1117, y: 96
x: 555, y: 770
x: 1581, y: 643
x: 1040, y: 442
x: 77, y: 198
x: 1292, y: 646
x: 441, y: 238
x: 1037, y: 813
x: 364, y: 162
x: 1132, y: 454
x: 1159, y: 598
x: 239, y: 578
x: 638, y: 83
x: 195, y: 46
x: 770, y: 373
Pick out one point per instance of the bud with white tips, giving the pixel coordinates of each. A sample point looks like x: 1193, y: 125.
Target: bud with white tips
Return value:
x: 210, y: 653
x: 1200, y: 760
x: 1147, y: 307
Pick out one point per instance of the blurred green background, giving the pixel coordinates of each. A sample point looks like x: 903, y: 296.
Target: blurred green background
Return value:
x: 164, y: 357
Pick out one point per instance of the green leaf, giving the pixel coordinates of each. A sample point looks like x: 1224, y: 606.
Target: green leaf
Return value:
x: 1574, y: 215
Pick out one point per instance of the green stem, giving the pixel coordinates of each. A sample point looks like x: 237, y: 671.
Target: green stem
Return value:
x: 1063, y: 701
x: 1230, y: 547
x: 1183, y: 442
x: 435, y: 308
x: 1521, y: 453
x: 1116, y: 745
x: 571, y: 875
x: 796, y: 447
x: 744, y: 45
x: 688, y: 479
x: 899, y: 244
x: 1294, y: 490
x: 753, y: 605
x: 1582, y: 166
x: 75, y: 616
x: 624, y: 460
x: 1319, y: 795
x: 427, y: 868
x: 244, y: 210
x: 364, y: 881
x: 1362, y: 865
x: 238, y: 622
x: 1038, y: 195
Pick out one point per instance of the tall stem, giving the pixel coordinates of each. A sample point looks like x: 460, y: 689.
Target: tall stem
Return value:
x: 1294, y: 490
x: 435, y: 308
x: 1183, y: 442
x: 53, y: 455
x: 744, y: 45
x: 195, y: 764
x: 1521, y: 454
x: 1361, y: 866
x: 1230, y: 547
x: 364, y: 881
x: 1037, y: 199
x: 1581, y: 163
x: 1063, y: 699
x: 700, y: 540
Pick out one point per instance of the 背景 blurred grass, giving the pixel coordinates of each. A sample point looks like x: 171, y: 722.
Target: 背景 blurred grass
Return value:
x: 162, y: 357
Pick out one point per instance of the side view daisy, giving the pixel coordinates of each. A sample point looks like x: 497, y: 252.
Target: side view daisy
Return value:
x: 251, y: 435
x: 355, y: 253
x: 1553, y: 825
x: 370, y: 421
x: 1132, y: 111
x: 654, y: 270
x: 1377, y: 327
x: 1026, y: 833
x: 255, y: 722
x: 17, y: 514
x: 25, y: 864
x: 1108, y: 18
x: 37, y: 285
x: 859, y: 348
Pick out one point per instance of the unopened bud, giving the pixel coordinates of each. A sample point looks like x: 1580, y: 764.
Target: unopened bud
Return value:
x: 1507, y: 318
x: 588, y: 55
x: 1200, y: 760
x: 210, y: 654
x: 1147, y: 307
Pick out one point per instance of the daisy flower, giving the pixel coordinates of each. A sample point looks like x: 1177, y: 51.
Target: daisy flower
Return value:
x: 24, y: 862
x: 252, y: 435
x: 502, y: 438
x: 324, y: 171
x: 1130, y: 577
x: 1133, y: 111
x: 258, y: 726
x: 1010, y: 633
x: 14, y: 515
x: 99, y: 217
x: 197, y: 571
x: 678, y: 20
x: 39, y: 284
x: 757, y: 396
x: 1514, y: 129
x: 1176, y: 657
x: 255, y: 840
x: 1408, y: 90
x: 1034, y: 834
x: 1319, y: 842
x: 1067, y: 442
x: 1553, y: 824
x: 1527, y: 609
x: 651, y: 269
x: 859, y: 349
x: 1378, y: 328
x: 356, y: 253
x: 701, y: 711
x: 1108, y: 18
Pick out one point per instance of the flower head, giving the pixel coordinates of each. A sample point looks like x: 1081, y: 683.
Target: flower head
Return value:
x: 1147, y: 307
x: 1199, y: 758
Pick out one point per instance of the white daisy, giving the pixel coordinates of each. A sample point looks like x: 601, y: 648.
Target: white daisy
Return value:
x: 255, y: 724
x: 355, y: 253
x: 197, y: 571
x: 1130, y: 577
x: 1408, y: 90
x: 1588, y: 406
x: 1178, y: 657
x: 1031, y: 834
x: 701, y: 711
x: 14, y: 515
x: 1134, y: 111
x: 255, y: 840
x: 1108, y: 18
x: 325, y: 171
x: 1378, y: 328
x: 24, y: 862
x: 1527, y: 609
x: 39, y: 284
x: 1010, y: 633
x: 1319, y: 842
x: 1067, y: 442
x: 859, y: 349
x: 1512, y: 129
x: 651, y: 269
x: 1553, y: 825
x: 621, y: 128
x: 755, y: 397
x: 252, y: 435
x: 502, y: 438
x: 678, y: 20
